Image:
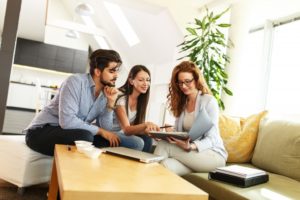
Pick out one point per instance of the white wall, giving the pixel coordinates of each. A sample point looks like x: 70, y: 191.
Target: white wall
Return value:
x: 2, y: 13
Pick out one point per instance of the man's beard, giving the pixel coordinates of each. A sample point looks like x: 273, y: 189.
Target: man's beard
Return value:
x: 107, y: 83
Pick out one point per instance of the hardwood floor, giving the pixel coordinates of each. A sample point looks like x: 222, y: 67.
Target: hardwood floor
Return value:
x: 9, y: 191
x: 4, y: 183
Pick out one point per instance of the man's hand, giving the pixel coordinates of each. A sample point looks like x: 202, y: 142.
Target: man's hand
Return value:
x: 113, y: 139
x: 111, y: 94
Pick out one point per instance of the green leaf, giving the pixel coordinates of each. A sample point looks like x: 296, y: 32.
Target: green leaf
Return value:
x: 223, y: 74
x: 221, y: 14
x: 224, y: 25
x: 192, y: 31
x: 198, y: 22
x: 227, y: 91
x: 221, y: 104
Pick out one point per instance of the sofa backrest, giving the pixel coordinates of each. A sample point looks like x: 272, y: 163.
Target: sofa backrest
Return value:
x: 277, y: 148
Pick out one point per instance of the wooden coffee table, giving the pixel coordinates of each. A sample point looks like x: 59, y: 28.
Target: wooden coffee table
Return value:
x: 113, y: 178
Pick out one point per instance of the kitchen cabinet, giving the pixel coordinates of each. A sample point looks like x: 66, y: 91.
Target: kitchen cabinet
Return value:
x: 79, y: 62
x: 29, y: 96
x: 64, y: 59
x: 27, y: 52
x: 22, y: 96
x: 46, y: 56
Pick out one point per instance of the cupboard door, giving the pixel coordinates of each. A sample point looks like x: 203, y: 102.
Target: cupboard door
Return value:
x: 27, y: 52
x: 22, y: 96
x: 46, y: 56
x: 80, y: 63
x: 64, y: 59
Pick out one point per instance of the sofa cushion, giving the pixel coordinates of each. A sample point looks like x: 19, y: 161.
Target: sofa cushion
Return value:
x: 239, y: 136
x: 278, y: 187
x: 278, y: 147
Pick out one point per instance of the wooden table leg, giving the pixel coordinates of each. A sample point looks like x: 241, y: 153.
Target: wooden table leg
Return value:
x: 53, y: 188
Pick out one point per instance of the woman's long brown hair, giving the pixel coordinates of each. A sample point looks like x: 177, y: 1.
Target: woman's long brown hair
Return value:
x: 143, y: 99
x: 176, y: 98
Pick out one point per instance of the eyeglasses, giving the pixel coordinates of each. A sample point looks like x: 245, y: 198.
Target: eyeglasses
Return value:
x: 185, y: 82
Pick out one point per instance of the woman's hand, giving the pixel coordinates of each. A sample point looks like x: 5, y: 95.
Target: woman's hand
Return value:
x: 113, y: 139
x: 149, y: 126
x: 168, y: 127
x: 184, y: 144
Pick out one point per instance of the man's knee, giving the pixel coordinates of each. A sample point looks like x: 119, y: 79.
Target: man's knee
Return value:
x: 85, y: 135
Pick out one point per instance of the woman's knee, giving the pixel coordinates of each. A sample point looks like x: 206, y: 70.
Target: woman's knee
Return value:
x: 138, y: 143
x: 132, y: 142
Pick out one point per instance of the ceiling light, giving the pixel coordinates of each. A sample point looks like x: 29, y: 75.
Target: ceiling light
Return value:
x: 84, y: 9
x: 72, y: 34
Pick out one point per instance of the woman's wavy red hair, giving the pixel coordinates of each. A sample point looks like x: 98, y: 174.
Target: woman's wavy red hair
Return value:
x: 176, y: 98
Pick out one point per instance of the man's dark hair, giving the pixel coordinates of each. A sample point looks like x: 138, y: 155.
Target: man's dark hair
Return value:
x: 101, y: 58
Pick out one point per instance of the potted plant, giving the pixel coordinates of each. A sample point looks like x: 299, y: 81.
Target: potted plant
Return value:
x: 206, y: 45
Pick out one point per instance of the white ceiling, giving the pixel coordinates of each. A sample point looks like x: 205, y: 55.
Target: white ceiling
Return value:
x: 159, y: 24
x: 48, y: 21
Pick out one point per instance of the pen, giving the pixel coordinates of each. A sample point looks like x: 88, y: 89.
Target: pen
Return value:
x: 168, y: 126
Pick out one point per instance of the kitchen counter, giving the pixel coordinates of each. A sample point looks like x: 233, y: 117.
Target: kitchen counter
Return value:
x: 20, y: 109
x: 32, y: 84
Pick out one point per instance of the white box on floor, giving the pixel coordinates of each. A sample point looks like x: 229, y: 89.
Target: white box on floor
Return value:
x: 20, y: 165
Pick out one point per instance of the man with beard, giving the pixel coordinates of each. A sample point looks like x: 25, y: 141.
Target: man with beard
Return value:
x: 82, y: 109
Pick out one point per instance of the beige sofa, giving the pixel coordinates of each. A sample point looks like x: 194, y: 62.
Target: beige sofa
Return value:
x: 277, y: 151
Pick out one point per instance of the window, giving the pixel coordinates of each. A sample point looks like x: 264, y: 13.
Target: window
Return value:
x: 284, y: 83
x: 271, y: 79
x: 250, y: 87
x: 122, y: 23
x: 101, y: 41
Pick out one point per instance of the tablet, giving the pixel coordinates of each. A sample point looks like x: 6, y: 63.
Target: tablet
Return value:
x: 163, y: 135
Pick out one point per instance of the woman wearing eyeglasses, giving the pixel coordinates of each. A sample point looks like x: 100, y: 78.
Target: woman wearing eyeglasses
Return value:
x: 129, y: 116
x: 196, y: 112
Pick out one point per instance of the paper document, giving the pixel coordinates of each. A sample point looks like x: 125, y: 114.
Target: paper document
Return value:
x: 240, y: 171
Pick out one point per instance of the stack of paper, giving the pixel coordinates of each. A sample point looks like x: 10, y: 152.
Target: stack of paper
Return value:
x: 240, y: 171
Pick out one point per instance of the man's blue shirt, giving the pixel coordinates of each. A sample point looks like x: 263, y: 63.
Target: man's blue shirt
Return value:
x: 76, y: 107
